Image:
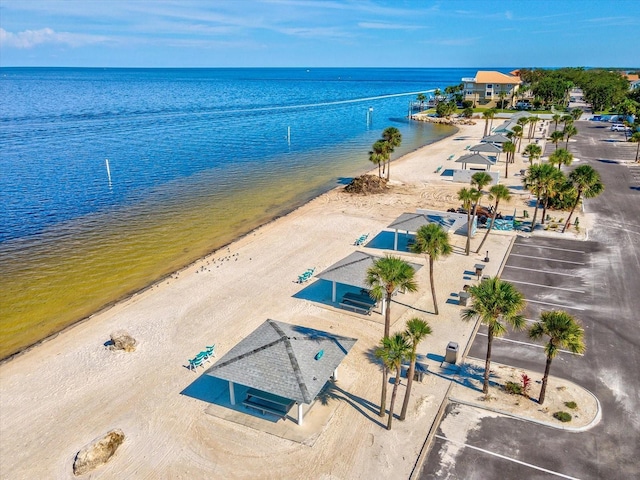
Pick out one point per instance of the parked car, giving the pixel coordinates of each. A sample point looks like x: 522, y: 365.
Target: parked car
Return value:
x: 618, y: 127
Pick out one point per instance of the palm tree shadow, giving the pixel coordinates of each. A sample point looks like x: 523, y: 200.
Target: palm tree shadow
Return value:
x: 367, y: 409
x: 412, y: 307
x: 465, y: 374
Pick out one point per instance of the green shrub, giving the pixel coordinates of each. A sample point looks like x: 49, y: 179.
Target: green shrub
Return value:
x: 513, y: 388
x: 467, y: 104
x: 571, y: 405
x: 562, y: 416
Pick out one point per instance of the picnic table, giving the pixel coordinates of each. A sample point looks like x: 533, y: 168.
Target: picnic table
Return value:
x: 267, y: 402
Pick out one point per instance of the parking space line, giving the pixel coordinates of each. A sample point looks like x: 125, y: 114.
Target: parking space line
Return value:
x: 545, y: 286
x: 543, y: 271
x: 554, y: 304
x: 529, y: 344
x: 544, y: 258
x: 520, y: 462
x: 550, y: 248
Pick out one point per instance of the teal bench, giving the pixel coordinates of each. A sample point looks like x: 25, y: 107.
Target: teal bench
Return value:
x: 266, y: 402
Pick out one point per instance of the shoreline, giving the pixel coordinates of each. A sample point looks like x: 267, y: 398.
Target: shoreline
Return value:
x: 170, y: 275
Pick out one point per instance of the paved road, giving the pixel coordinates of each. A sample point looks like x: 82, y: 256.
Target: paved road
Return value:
x: 599, y: 282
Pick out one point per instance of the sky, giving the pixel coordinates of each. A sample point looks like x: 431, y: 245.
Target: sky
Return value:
x: 320, y: 33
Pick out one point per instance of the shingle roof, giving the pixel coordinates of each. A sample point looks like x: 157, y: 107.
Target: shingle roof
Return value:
x: 352, y: 270
x: 483, y: 76
x: 476, y: 159
x: 280, y: 358
x: 411, y: 222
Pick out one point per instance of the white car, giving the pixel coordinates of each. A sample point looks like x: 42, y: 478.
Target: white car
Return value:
x: 618, y: 127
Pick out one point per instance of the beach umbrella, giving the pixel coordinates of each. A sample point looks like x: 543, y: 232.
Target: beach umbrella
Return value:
x: 497, y: 138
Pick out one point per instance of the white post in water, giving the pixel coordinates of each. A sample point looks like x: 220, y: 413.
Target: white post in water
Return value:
x: 106, y: 160
x: 289, y: 135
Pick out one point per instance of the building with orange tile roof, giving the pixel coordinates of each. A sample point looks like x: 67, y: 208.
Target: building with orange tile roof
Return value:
x: 489, y: 86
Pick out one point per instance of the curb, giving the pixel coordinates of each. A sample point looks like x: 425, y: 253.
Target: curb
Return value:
x: 590, y: 425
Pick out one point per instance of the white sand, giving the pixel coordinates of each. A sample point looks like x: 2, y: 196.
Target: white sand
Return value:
x: 62, y: 394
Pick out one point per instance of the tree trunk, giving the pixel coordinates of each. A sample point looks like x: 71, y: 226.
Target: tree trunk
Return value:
x: 433, y: 287
x: 407, y: 393
x: 543, y: 390
x: 388, y: 168
x: 535, y: 212
x: 487, y: 363
x: 383, y: 397
x: 387, y: 315
x: 486, y: 126
x: 468, y: 247
x: 566, y: 225
x: 393, y: 396
x: 544, y: 208
x: 493, y: 219
x: 506, y: 167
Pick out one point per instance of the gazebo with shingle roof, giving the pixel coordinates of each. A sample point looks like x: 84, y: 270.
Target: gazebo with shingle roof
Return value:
x: 411, y: 222
x: 352, y: 270
x: 289, y: 361
x: 475, y: 159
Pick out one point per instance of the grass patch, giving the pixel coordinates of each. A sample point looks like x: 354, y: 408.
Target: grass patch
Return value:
x: 571, y: 405
x: 562, y: 416
x: 513, y: 388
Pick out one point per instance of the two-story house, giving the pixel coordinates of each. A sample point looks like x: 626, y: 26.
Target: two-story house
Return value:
x: 491, y: 86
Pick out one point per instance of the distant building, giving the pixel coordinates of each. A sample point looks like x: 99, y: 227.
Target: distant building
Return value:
x: 489, y: 86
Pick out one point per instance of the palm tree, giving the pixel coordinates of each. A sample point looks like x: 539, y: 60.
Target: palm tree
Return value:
x: 495, y: 302
x: 533, y: 182
x: 534, y: 151
x: 550, y: 181
x: 557, y: 136
x: 522, y: 122
x: 636, y: 138
x: 556, y: 118
x: 468, y: 196
x: 561, y: 157
x: 576, y: 113
x: 393, y: 138
x: 510, y: 149
x: 421, y: 98
x: 417, y: 330
x: 497, y: 192
x: 566, y: 120
x: 479, y: 180
x: 569, y: 131
x: 533, y: 120
x: 587, y: 183
x: 563, y: 331
x: 432, y: 241
x: 387, y: 275
x: 379, y: 154
x: 487, y: 114
x: 517, y: 132
x: 392, y: 352
x: 493, y: 115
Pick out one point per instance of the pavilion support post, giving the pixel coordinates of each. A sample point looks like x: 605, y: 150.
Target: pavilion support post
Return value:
x: 335, y: 374
x: 333, y: 292
x: 232, y: 394
x: 300, y: 415
x: 395, y: 240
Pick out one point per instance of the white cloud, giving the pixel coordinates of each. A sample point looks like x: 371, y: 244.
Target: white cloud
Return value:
x: 31, y: 38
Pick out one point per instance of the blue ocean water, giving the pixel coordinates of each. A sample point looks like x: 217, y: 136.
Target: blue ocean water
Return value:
x: 196, y: 157
x: 58, y: 126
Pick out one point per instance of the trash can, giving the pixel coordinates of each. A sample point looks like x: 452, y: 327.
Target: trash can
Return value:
x: 452, y: 353
x: 463, y: 297
x: 479, y: 269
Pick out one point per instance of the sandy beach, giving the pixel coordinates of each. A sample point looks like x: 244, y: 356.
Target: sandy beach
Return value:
x: 62, y: 394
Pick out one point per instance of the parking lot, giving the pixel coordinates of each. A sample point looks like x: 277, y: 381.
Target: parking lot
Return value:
x: 597, y: 281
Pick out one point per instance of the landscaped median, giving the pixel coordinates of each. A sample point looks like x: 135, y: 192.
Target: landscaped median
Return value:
x: 561, y: 396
